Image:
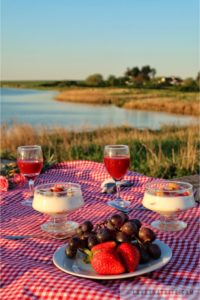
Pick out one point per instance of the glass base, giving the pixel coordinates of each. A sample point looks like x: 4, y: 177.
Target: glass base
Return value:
x: 60, y: 228
x: 120, y: 205
x: 27, y: 202
x: 174, y: 225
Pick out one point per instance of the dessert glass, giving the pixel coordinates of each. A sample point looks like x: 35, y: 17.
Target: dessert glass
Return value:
x: 168, y: 198
x: 57, y: 200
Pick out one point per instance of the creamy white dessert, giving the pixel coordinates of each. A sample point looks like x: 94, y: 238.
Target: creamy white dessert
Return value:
x: 167, y: 200
x: 55, y: 200
x: 166, y: 205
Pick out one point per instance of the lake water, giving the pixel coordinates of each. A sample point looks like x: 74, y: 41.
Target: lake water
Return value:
x: 39, y: 108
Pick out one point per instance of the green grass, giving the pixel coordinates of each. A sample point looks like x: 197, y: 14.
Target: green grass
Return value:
x: 167, y: 153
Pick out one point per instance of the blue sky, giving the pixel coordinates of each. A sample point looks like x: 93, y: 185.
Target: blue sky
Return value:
x: 71, y: 39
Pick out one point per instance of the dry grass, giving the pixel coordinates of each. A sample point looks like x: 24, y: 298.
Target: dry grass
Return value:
x: 170, y: 152
x: 92, y: 95
x: 158, y: 100
x: 166, y: 105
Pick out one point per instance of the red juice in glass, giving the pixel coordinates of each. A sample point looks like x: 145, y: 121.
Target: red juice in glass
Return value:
x: 117, y: 166
x: 30, y: 168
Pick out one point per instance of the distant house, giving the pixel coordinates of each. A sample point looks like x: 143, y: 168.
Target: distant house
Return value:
x: 129, y: 83
x: 171, y: 80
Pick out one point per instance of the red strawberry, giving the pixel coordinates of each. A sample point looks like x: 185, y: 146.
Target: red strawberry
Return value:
x: 129, y: 255
x: 186, y: 193
x: 107, y: 263
x: 57, y: 188
x: 107, y: 246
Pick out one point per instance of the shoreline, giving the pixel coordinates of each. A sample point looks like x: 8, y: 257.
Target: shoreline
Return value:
x: 137, y: 99
x: 169, y: 101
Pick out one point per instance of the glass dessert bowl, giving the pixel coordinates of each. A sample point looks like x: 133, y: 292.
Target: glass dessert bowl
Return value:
x: 168, y: 198
x: 57, y: 200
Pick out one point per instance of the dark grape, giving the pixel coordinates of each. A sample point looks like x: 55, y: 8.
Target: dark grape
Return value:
x: 117, y: 220
x: 79, y: 231
x: 109, y: 225
x: 92, y: 241
x: 144, y: 256
x: 129, y: 228
x: 122, y: 237
x: 70, y: 252
x: 104, y: 235
x: 146, y: 235
x: 74, y: 242
x: 154, y: 251
x: 86, y: 234
x: 117, y: 228
x: 83, y: 241
x: 136, y: 222
x: 124, y: 216
x: 86, y: 226
x: 112, y: 230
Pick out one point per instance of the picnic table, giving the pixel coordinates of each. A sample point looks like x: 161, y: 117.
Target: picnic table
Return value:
x: 27, y: 269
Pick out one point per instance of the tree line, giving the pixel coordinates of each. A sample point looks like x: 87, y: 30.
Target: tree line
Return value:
x: 144, y: 77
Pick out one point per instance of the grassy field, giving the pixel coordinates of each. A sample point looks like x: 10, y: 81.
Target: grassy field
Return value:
x: 144, y: 99
x: 167, y: 153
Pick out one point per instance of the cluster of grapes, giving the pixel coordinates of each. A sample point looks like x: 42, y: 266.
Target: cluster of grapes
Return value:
x: 118, y: 228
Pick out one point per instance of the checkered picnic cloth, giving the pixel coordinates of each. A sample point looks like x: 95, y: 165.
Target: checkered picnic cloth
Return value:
x: 27, y: 270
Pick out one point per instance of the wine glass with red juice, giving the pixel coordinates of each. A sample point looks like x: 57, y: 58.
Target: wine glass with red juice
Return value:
x: 30, y: 163
x: 117, y: 161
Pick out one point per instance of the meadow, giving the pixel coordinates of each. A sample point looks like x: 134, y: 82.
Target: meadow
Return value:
x: 168, y: 153
x: 132, y: 98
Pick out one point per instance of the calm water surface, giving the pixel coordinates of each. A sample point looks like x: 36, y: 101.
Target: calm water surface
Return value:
x: 39, y: 108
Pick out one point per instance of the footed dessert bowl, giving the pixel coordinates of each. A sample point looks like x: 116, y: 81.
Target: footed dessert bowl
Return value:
x: 168, y: 198
x: 57, y: 200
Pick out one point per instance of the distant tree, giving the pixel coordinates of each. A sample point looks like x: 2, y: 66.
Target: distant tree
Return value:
x: 68, y: 83
x: 148, y: 73
x: 134, y: 72
x: 95, y: 80
x: 198, y: 79
x: 121, y: 80
x: 189, y: 84
x: 153, y: 73
x: 112, y: 80
x: 138, y: 77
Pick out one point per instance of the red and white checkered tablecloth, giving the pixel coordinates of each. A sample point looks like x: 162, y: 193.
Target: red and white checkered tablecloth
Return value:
x: 27, y: 270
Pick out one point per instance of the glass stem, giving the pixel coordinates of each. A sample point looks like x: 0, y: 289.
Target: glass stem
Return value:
x: 31, y: 186
x: 118, y: 190
x: 57, y: 220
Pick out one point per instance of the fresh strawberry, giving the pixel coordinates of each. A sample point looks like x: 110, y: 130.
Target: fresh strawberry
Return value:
x: 186, y: 193
x: 129, y: 255
x: 107, y: 263
x: 107, y: 246
x: 57, y: 188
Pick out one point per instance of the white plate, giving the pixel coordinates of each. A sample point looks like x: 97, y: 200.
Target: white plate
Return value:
x: 78, y: 268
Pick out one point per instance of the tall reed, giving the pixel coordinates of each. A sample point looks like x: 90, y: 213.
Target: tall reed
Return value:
x: 167, y: 153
